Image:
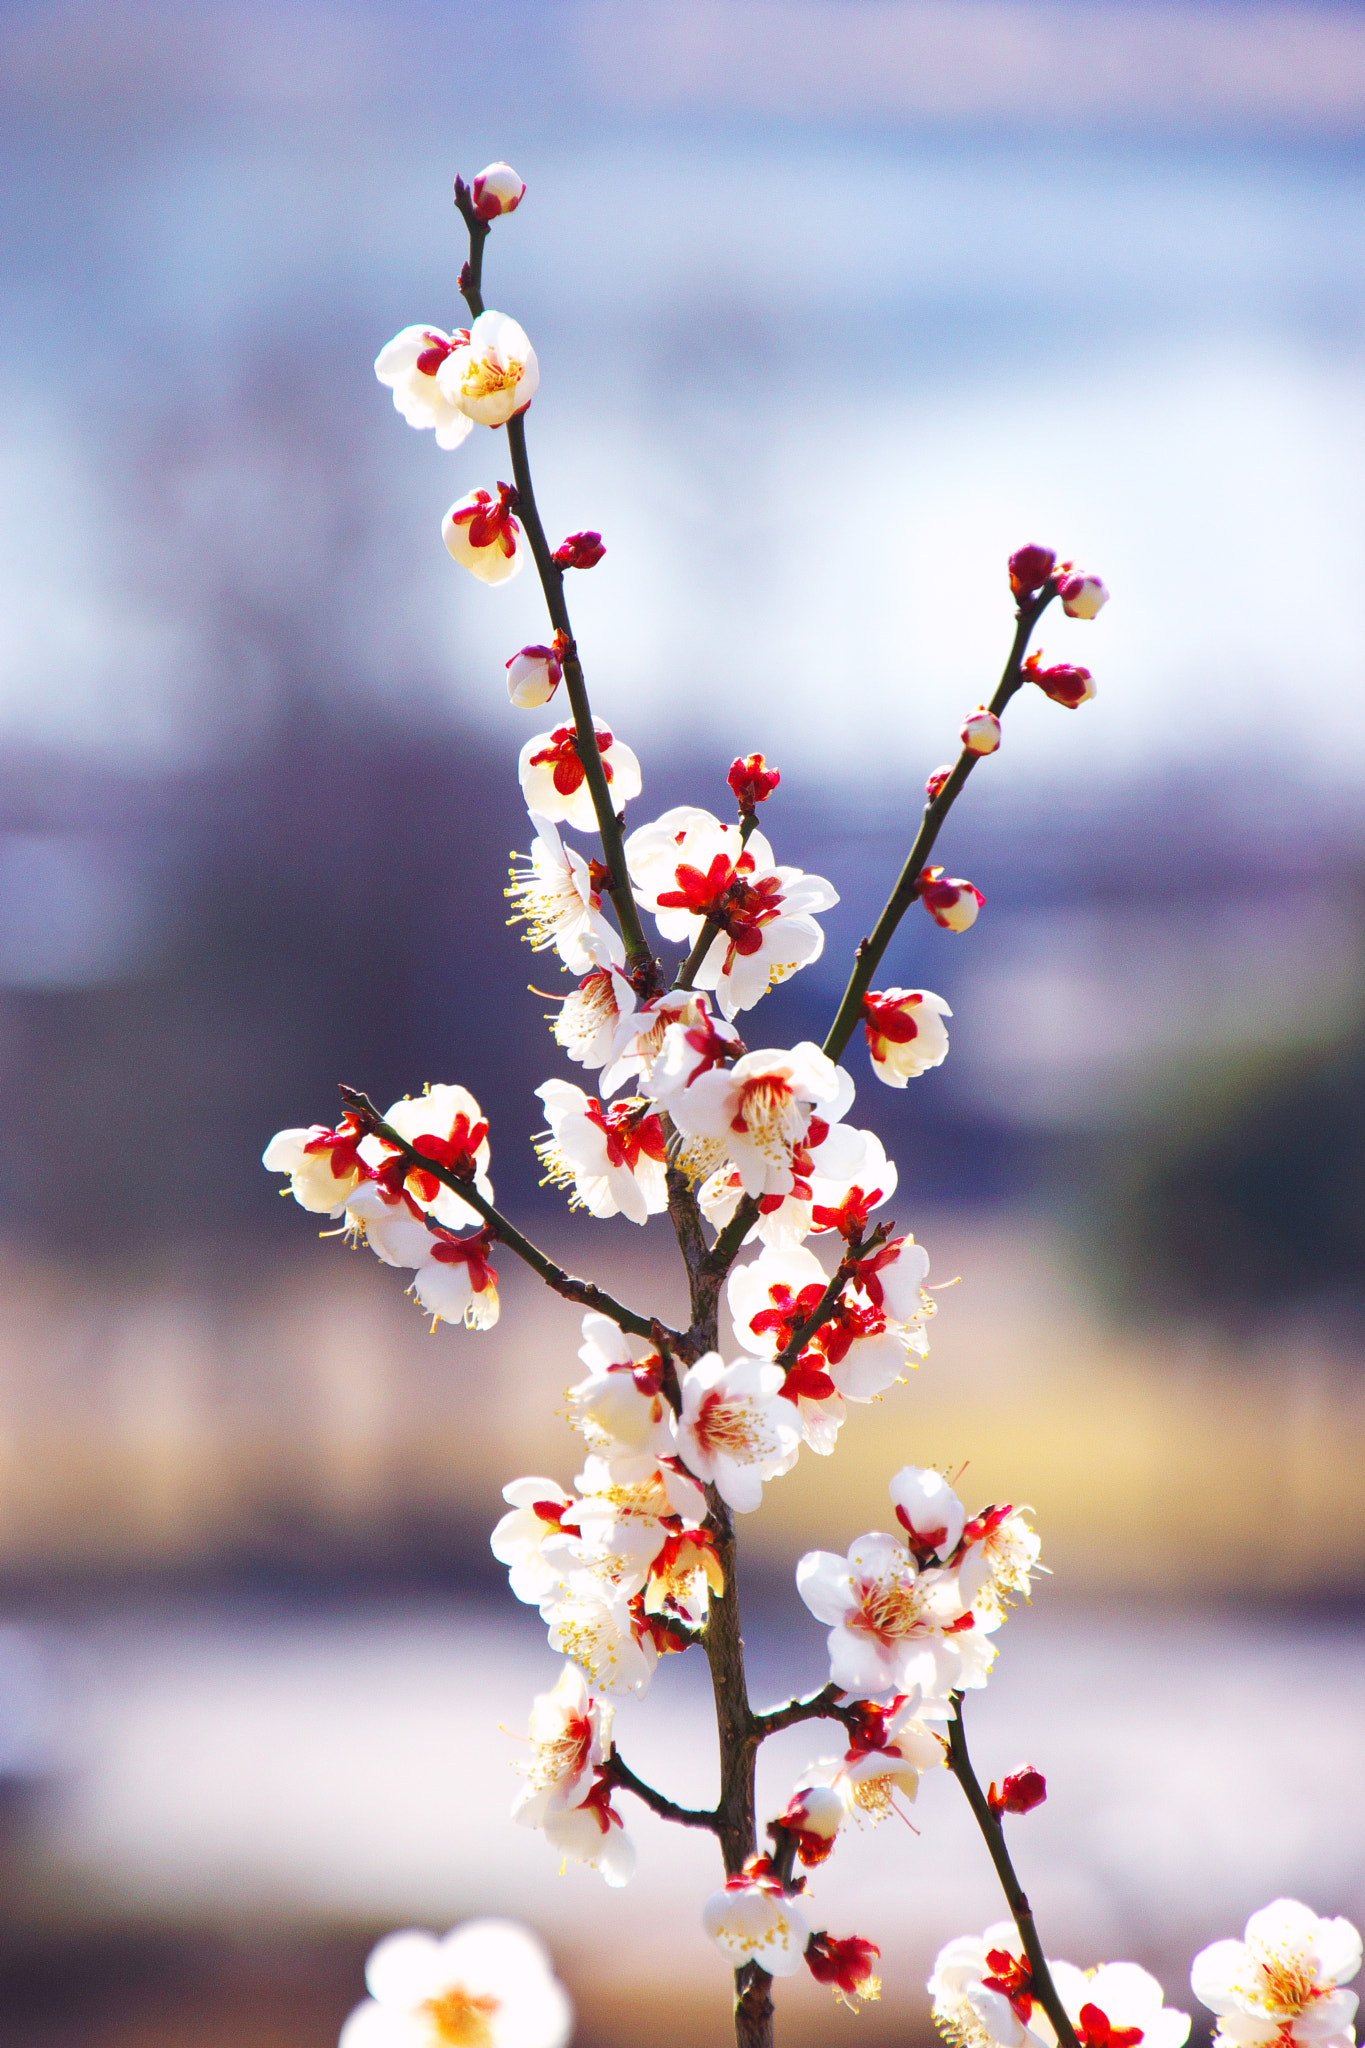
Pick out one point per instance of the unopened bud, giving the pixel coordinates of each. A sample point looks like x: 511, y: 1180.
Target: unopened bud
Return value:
x: 1063, y: 682
x: 579, y: 551
x: 934, y: 786
x: 1082, y: 596
x: 533, y: 676
x: 813, y: 1818
x: 1030, y: 568
x: 981, y: 732
x: 949, y: 900
x: 846, y: 1965
x: 1021, y: 1792
x: 752, y: 781
x: 497, y: 189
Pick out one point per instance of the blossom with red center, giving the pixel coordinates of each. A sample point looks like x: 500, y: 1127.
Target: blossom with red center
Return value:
x: 570, y: 1736
x: 905, y: 1033
x: 408, y: 365
x: 644, y: 1035
x: 1082, y: 596
x: 892, y: 1625
x: 734, y: 1430
x: 481, y: 534
x: 488, y: 1984
x: 445, y: 1125
x: 1064, y: 683
x: 752, y: 781
x: 691, y: 870
x: 836, y: 1171
x: 491, y: 375
x: 981, y: 731
x: 949, y: 900
x: 758, y: 1112
x: 982, y: 1992
x: 1019, y: 1792
x: 524, y: 1540
x: 998, y: 1557
x: 558, y: 897
x: 1118, y: 2005
x: 929, y: 1512
x: 846, y: 1965
x: 579, y: 551
x: 497, y: 189
x: 1030, y: 568
x: 614, y: 1159
x: 554, y: 781
x: 534, y: 674
x: 619, y: 1404
x: 323, y: 1165
x: 455, y: 1283
x: 1283, y: 1982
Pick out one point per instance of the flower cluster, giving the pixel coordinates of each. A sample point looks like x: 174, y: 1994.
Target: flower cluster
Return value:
x: 985, y: 1990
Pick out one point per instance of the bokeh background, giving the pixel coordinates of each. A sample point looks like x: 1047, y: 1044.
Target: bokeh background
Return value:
x: 836, y: 302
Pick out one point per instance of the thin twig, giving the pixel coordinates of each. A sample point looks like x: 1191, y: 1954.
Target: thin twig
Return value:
x: 817, y: 1706
x: 903, y: 895
x: 620, y: 1772
x: 1041, y: 1986
x: 581, y: 1291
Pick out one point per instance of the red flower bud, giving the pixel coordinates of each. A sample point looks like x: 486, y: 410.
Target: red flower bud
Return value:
x: 949, y: 900
x: 1063, y: 682
x: 847, y: 1965
x: 752, y: 781
x: 579, y: 551
x: 1021, y: 1792
x: 933, y: 787
x: 1030, y: 568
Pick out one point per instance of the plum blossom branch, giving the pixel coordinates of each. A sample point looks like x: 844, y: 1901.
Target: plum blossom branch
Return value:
x: 1042, y: 1986
x: 619, y: 1772
x: 581, y: 1291
x: 817, y: 1706
x: 552, y: 584
x: 870, y: 950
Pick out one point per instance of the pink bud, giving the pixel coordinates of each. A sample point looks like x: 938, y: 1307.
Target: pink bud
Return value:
x: 981, y: 732
x: 1082, y: 596
x: 1030, y: 568
x: 579, y: 551
x: 950, y: 901
x: 533, y: 676
x: 752, y: 781
x: 1021, y: 1792
x: 934, y: 786
x: 497, y: 189
x: 1063, y: 682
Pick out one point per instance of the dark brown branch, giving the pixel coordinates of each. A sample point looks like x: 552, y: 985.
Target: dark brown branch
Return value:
x: 581, y: 1291
x: 471, y: 277
x: 817, y: 1706
x: 907, y: 887
x: 1042, y: 1986
x: 686, y: 1816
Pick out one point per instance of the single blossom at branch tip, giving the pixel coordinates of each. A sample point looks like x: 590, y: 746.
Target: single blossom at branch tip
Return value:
x: 554, y: 781
x: 579, y: 551
x: 934, y: 787
x: 1019, y: 1792
x: 487, y: 1984
x: 408, y: 365
x: 949, y: 900
x: 1283, y: 1982
x: 497, y: 189
x: 493, y: 374
x: 1030, y: 567
x: 752, y: 781
x: 1064, y: 683
x: 483, y: 537
x: 754, y: 1920
x: 534, y: 674
x: 846, y: 1965
x: 1082, y: 596
x: 981, y: 731
x: 906, y: 1035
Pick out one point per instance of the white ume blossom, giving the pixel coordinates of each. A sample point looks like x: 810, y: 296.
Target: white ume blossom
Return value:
x: 906, y: 1035
x: 533, y: 676
x: 982, y: 1992
x: 892, y: 1625
x: 619, y: 1402
x: 757, y: 1923
x: 1283, y: 1981
x: 688, y: 868
x: 758, y: 1112
x: 1118, y: 2005
x: 735, y: 1430
x: 408, y: 365
x: 493, y: 374
x: 323, y: 1165
x: 614, y: 1158
x: 565, y: 1795
x: 481, y: 534
x: 554, y: 781
x: 560, y: 904
x: 488, y: 1984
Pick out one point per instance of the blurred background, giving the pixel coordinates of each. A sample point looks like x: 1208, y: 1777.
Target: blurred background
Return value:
x: 836, y: 303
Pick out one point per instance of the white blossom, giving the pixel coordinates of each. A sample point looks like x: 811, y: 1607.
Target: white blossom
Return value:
x: 614, y: 1159
x: 488, y: 1984
x: 323, y: 1165
x: 905, y: 1033
x: 734, y: 1430
x: 533, y: 676
x: 982, y: 1992
x: 1118, y: 2005
x: 491, y: 375
x: 497, y: 189
x: 760, y: 1111
x: 757, y: 1923
x: 1283, y: 1981
x: 892, y: 1625
x: 481, y: 534
x: 554, y: 782
x: 560, y: 902
x: 570, y: 1736
x: 592, y: 1016
x: 408, y: 365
